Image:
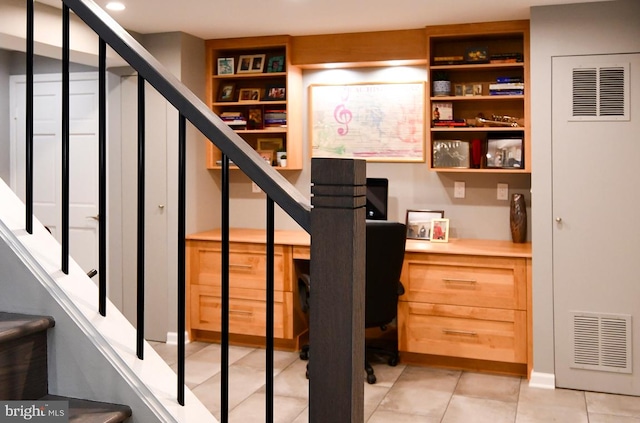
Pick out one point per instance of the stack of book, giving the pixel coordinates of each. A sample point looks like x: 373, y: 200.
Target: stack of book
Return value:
x: 449, y: 122
x: 275, y: 118
x: 506, y: 58
x: 235, y: 120
x: 507, y: 86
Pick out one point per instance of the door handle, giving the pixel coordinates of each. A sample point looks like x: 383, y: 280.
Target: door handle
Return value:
x: 559, y: 219
x: 96, y: 217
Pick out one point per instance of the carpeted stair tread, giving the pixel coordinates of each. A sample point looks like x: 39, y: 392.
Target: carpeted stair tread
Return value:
x: 14, y: 326
x: 85, y: 411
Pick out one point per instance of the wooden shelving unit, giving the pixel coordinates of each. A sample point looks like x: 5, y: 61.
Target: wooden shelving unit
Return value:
x: 290, y: 78
x: 452, y: 143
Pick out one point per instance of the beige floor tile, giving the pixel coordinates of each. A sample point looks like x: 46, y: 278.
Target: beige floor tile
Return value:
x: 302, y: 417
x: 205, y: 363
x: 463, y: 409
x: 373, y: 395
x: 411, y: 399
x: 384, y: 416
x: 608, y: 418
x: 429, y: 378
x: 257, y: 359
x: 285, y: 409
x: 386, y: 375
x: 617, y: 405
x: 243, y: 382
x: 537, y: 405
x: 480, y: 385
x: 292, y: 381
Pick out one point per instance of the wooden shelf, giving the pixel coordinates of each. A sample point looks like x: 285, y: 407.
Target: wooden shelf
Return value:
x: 290, y: 79
x: 498, y: 38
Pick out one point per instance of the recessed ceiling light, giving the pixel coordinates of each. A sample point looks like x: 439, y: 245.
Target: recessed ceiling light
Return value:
x: 116, y: 6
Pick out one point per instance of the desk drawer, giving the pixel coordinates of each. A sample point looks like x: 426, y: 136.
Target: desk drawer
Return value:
x: 466, y: 280
x: 247, y: 265
x: 458, y: 331
x: 247, y: 311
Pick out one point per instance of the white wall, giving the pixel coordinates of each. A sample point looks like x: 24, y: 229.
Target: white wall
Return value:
x: 589, y: 28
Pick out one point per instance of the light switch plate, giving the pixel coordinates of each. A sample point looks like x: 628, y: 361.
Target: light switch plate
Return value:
x: 458, y: 189
x: 503, y: 191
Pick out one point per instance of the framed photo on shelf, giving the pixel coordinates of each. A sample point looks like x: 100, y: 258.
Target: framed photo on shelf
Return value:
x: 504, y: 153
x: 225, y: 66
x: 451, y: 154
x: 251, y: 63
x: 275, y: 93
x: 440, y: 230
x: 226, y: 92
x: 270, y: 144
x: 249, y: 94
x: 476, y: 54
x: 275, y: 64
x: 267, y: 155
x: 441, y: 110
x: 255, y: 119
x: 418, y: 223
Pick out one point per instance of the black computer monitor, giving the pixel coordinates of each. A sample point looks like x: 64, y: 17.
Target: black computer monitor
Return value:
x: 377, y: 195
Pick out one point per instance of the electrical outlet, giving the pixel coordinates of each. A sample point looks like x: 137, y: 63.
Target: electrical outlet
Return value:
x: 255, y: 188
x: 458, y: 189
x: 503, y: 191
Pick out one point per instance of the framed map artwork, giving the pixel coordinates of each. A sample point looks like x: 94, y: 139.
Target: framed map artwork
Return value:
x: 382, y: 122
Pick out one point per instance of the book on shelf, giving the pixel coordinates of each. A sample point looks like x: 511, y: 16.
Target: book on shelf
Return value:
x: 275, y: 117
x: 506, y: 88
x: 508, y: 79
x: 448, y: 60
x: 449, y: 123
x: 506, y: 58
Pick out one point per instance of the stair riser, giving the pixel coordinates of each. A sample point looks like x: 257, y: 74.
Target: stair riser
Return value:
x: 23, y: 368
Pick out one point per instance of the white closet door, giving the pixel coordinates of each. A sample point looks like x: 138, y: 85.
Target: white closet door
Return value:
x: 596, y: 229
x: 83, y: 152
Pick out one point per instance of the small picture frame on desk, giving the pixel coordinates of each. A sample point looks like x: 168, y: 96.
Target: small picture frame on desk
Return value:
x: 418, y: 223
x: 225, y: 65
x: 226, y: 92
x: 440, y: 230
x: 255, y: 119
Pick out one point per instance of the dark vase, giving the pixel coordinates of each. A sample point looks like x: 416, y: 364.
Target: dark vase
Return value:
x: 518, y: 218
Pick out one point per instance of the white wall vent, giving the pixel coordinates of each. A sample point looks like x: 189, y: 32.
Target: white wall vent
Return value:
x: 601, y: 93
x: 601, y: 341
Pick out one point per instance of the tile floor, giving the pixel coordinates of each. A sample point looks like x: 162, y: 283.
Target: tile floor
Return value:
x: 402, y: 394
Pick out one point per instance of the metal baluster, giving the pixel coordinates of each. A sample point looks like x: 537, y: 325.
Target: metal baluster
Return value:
x: 141, y: 220
x: 102, y: 175
x: 270, y: 307
x: 182, y: 160
x: 224, y: 356
x: 29, y: 128
x: 65, y: 139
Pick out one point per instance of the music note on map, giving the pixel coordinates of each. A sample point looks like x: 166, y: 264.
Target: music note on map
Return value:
x: 343, y: 116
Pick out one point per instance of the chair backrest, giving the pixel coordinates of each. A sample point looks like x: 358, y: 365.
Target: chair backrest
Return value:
x: 385, y: 254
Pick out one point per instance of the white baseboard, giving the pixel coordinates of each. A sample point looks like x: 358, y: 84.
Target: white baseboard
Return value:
x: 172, y: 338
x: 542, y: 380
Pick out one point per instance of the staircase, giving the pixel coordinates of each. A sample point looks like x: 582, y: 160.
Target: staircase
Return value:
x: 23, y: 370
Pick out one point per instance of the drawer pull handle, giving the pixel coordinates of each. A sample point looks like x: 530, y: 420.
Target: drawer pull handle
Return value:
x: 241, y: 266
x: 459, y: 332
x: 242, y: 312
x: 466, y: 281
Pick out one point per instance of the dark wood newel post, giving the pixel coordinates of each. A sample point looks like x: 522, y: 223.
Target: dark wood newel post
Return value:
x: 336, y: 329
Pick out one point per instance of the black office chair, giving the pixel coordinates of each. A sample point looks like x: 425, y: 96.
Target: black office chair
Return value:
x: 384, y: 257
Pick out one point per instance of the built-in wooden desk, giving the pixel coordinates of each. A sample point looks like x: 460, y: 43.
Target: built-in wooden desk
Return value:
x: 467, y: 303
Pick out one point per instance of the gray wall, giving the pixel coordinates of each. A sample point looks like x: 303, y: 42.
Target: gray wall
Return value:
x: 411, y: 185
x: 589, y: 28
x: 5, y: 64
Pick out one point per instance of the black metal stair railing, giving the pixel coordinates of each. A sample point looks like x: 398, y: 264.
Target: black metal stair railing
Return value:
x: 339, y: 396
